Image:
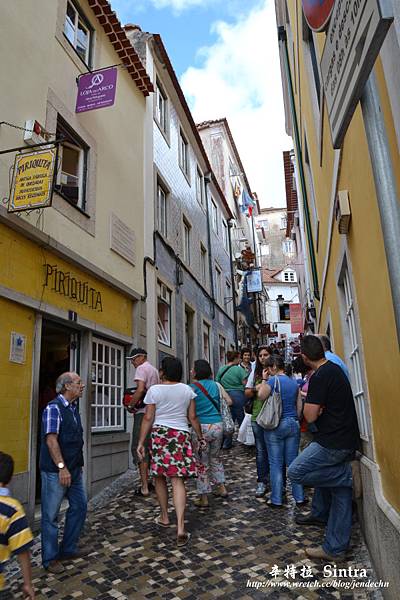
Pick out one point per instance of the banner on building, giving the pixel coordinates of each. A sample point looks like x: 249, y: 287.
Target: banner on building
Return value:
x: 96, y: 90
x: 33, y: 180
x: 296, y: 318
x: 254, y: 281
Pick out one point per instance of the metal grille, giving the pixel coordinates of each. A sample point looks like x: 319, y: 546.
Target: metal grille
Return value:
x: 107, y: 386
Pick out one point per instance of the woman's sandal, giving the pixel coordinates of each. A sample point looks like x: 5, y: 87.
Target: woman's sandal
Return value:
x: 183, y: 539
x: 139, y: 492
x: 158, y: 522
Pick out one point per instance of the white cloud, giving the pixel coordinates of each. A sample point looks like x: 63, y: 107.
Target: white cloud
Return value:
x: 178, y: 5
x: 240, y: 80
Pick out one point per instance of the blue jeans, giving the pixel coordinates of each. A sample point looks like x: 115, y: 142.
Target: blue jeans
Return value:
x: 329, y: 471
x: 261, y: 453
x: 283, y: 447
x: 53, y: 494
x: 237, y: 411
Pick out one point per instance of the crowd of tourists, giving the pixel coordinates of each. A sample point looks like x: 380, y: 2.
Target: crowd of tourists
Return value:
x: 298, y: 400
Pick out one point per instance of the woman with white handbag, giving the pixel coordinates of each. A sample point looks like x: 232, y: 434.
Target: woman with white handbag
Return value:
x: 280, y: 418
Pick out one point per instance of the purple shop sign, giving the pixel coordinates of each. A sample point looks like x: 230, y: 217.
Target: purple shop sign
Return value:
x: 96, y: 90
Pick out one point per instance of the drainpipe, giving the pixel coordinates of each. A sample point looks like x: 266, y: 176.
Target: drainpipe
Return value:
x: 230, y: 225
x: 207, y: 181
x: 385, y: 186
x: 150, y: 261
x: 283, y: 43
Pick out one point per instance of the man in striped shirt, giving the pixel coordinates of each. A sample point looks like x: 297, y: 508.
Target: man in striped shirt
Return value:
x: 15, y: 535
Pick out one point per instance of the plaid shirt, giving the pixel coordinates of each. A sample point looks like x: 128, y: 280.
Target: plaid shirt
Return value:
x: 51, y: 418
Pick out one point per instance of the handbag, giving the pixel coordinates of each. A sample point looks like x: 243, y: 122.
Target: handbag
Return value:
x: 228, y: 425
x: 271, y: 411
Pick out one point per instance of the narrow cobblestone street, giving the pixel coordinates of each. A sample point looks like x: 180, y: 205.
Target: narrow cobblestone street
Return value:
x: 236, y: 540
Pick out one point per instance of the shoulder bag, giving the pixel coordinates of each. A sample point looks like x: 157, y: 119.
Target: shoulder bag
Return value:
x: 270, y: 414
x: 228, y: 425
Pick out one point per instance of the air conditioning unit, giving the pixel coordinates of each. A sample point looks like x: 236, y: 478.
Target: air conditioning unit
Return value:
x: 35, y: 133
x: 343, y: 212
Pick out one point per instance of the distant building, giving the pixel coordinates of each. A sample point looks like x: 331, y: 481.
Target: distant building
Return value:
x: 189, y: 277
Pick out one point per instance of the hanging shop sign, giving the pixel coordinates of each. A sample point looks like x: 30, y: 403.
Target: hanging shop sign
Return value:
x: 67, y: 285
x: 356, y: 33
x: 296, y: 318
x: 96, y: 90
x: 317, y: 13
x: 33, y: 180
x: 254, y: 282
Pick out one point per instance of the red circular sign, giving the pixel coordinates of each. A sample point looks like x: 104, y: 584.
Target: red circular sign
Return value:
x: 317, y: 13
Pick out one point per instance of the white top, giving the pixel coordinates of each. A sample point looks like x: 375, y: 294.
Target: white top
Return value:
x: 250, y: 380
x: 172, y: 403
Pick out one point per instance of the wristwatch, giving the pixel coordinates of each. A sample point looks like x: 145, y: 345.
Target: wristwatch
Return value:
x: 60, y: 465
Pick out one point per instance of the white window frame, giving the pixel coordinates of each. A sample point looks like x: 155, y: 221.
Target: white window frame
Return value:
x: 214, y: 216
x: 289, y: 276
x: 352, y: 337
x: 200, y: 195
x: 79, y: 19
x: 161, y: 108
x: 265, y: 249
x: 283, y: 222
x: 164, y: 296
x: 105, y: 366
x: 218, y: 285
x: 203, y: 264
x: 225, y: 235
x: 228, y: 300
x: 288, y: 246
x: 186, y: 241
x: 73, y: 142
x: 162, y: 209
x: 206, y: 329
x: 183, y: 153
x: 221, y: 344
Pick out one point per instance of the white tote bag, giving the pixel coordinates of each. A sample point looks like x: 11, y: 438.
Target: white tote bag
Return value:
x: 246, y: 435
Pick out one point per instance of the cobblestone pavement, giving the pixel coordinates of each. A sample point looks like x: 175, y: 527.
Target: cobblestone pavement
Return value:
x: 237, y: 541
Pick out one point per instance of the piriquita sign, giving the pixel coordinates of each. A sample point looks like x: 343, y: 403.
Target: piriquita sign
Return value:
x: 33, y: 178
x: 96, y: 90
x: 317, y: 13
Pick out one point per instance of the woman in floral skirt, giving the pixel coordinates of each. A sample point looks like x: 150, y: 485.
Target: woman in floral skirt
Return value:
x: 170, y: 409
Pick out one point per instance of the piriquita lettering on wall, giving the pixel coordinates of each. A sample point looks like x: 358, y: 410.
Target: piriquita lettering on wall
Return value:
x: 66, y: 284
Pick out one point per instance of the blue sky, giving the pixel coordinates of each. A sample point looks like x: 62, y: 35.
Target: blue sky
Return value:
x: 184, y: 30
x: 225, y: 54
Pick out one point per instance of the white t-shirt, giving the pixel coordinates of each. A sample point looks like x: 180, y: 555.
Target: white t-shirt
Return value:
x: 172, y: 403
x: 250, y: 380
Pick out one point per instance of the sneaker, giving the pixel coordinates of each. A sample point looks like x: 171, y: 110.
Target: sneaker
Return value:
x: 81, y: 552
x: 55, y: 567
x: 261, y: 489
x: 309, y: 520
x: 319, y: 552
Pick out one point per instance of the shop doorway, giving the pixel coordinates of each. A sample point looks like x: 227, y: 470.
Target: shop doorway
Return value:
x: 59, y: 353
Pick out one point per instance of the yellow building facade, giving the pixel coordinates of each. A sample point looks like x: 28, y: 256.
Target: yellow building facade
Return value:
x: 71, y: 274
x: 351, y: 281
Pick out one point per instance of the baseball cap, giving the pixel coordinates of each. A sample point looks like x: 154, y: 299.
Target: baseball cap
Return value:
x: 134, y: 352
